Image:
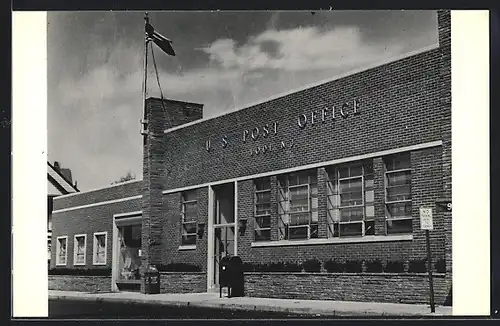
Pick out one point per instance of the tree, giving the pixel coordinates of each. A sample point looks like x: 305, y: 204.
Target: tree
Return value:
x: 129, y: 176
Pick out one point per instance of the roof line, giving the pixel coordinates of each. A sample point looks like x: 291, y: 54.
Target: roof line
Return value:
x: 315, y: 84
x: 100, y: 188
x: 63, y: 177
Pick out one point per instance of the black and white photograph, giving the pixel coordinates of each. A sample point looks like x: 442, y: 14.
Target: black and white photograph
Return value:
x: 249, y: 164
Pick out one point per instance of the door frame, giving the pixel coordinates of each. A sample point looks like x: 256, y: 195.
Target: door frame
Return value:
x: 123, y: 219
x: 212, y: 226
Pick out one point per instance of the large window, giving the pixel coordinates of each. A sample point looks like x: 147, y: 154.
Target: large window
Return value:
x: 350, y: 204
x: 79, y: 249
x: 298, y: 206
x: 398, y: 194
x: 61, y: 250
x: 189, y: 217
x: 262, y: 226
x: 100, y: 246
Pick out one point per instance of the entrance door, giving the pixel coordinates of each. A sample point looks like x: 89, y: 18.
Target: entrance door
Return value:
x: 224, y: 226
x: 127, y: 245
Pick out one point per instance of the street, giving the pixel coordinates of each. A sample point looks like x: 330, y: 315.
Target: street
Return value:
x: 76, y: 309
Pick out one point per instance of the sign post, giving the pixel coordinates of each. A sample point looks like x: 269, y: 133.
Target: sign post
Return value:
x: 426, y: 224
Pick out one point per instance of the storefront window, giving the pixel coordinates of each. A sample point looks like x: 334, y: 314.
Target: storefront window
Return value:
x: 398, y: 194
x: 262, y: 226
x: 189, y: 216
x: 129, y: 263
x: 351, y: 200
x: 298, y: 206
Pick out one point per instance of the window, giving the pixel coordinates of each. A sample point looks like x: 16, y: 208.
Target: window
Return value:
x: 100, y: 245
x: 298, y: 206
x: 351, y: 210
x: 398, y: 194
x: 80, y: 247
x: 61, y: 250
x: 262, y: 226
x: 189, y: 216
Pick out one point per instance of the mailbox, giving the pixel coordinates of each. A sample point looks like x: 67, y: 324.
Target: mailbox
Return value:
x: 225, y: 275
x: 152, y: 281
x: 237, y: 277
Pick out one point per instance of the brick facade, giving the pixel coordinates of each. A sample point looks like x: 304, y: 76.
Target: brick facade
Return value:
x: 403, y: 103
x: 346, y: 287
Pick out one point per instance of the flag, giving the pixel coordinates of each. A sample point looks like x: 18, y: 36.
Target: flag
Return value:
x: 163, y: 43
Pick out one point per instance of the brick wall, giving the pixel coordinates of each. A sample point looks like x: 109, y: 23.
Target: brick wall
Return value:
x: 172, y: 231
x: 156, y: 208
x: 411, y: 288
x: 183, y: 282
x: 80, y: 283
x: 87, y: 221
x: 398, y: 108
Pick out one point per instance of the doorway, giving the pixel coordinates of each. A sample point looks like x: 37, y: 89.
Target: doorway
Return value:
x: 127, y: 245
x: 223, y: 236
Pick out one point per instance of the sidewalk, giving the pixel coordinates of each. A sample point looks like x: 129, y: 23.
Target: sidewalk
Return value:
x: 303, y: 307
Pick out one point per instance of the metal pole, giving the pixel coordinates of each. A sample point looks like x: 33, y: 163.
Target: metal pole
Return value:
x: 429, y: 264
x: 144, y: 90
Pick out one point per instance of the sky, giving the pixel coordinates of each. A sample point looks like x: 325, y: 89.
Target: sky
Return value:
x: 224, y: 60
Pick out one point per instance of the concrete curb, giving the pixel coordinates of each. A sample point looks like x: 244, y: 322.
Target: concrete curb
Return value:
x: 248, y: 307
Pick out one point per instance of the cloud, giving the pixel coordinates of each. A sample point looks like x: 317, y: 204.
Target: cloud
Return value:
x: 106, y: 101
x: 299, y: 49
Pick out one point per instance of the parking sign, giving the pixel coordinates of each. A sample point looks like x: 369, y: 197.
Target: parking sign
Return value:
x: 426, y: 219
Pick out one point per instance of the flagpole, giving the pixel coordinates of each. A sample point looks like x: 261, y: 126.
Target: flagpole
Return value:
x: 144, y: 91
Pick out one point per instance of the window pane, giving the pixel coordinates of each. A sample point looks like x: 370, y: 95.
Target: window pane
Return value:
x: 369, y: 196
x: 370, y: 212
x: 368, y: 168
x: 298, y: 232
x: 398, y: 210
x: 262, y: 235
x: 190, y: 211
x: 351, y: 229
x: 370, y: 228
x: 351, y: 214
x: 263, y: 197
x: 263, y: 222
x: 399, y: 178
x: 398, y: 193
x: 343, y: 172
x: 368, y: 183
x: 189, y: 228
x: 263, y: 184
x: 334, y: 215
x: 313, y: 231
x: 299, y: 219
x: 355, y: 171
x: 264, y: 209
x: 398, y: 162
x: 189, y: 195
x: 299, y: 199
x: 399, y: 226
x: 189, y: 239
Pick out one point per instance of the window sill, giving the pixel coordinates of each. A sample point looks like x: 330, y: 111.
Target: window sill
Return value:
x: 99, y: 264
x: 60, y: 264
x: 79, y: 264
x: 187, y: 247
x: 383, y: 238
